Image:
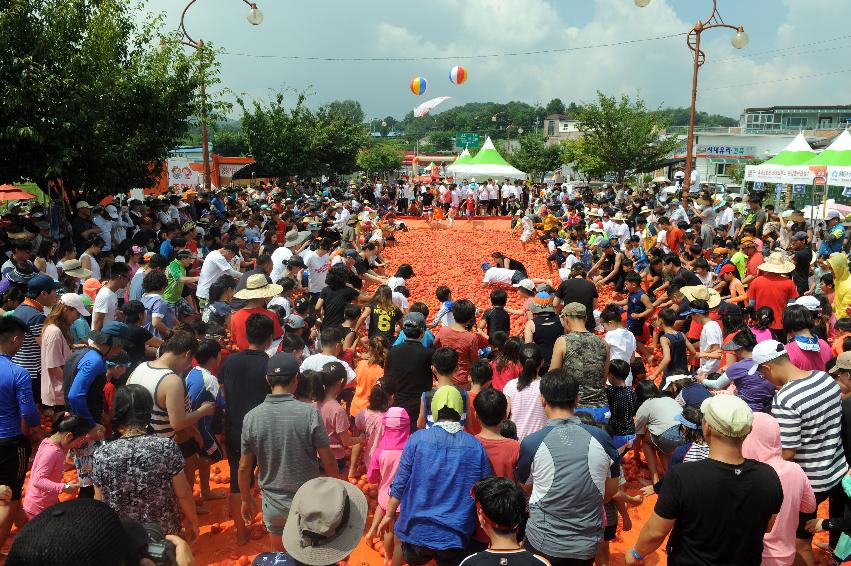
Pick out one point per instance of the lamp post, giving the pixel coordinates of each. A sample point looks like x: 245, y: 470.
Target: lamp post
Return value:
x: 739, y: 41
x: 255, y: 18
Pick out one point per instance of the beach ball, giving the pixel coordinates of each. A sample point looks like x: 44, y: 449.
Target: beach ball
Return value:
x: 419, y: 85
x: 458, y: 75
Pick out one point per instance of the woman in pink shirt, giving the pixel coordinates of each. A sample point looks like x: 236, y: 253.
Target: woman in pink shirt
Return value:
x: 763, y: 444
x: 45, y: 485
x: 807, y: 351
x: 382, y: 470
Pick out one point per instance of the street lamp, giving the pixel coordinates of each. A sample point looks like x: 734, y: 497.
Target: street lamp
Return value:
x: 255, y: 18
x: 739, y: 41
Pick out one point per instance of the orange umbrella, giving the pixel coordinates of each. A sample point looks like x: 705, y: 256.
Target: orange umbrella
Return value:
x: 13, y: 192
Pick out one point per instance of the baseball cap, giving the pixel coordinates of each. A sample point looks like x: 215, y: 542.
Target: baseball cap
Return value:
x: 112, y: 211
x: 574, y: 309
x: 728, y: 268
x: 74, y: 301
x: 765, y: 352
x: 728, y: 415
x: 449, y: 397
x: 729, y: 308
x: 294, y: 321
x: 413, y: 320
x: 44, y: 283
x: 720, y: 251
x: 604, y: 244
x: 83, y: 204
x: 747, y: 241
x: 809, y: 302
x: 351, y: 253
x: 800, y: 236
x: 526, y: 284
x: 112, y: 333
x: 843, y: 361
x: 833, y: 215
x: 486, y: 266
x: 282, y: 363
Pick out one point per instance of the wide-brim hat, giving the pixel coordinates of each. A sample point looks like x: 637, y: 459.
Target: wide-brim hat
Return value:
x: 777, y: 263
x: 294, y: 238
x: 702, y: 293
x: 258, y: 287
x: 315, y: 507
x: 618, y: 216
x: 73, y: 268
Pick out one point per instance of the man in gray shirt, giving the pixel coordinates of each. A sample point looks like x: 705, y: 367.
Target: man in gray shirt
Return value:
x: 283, y: 436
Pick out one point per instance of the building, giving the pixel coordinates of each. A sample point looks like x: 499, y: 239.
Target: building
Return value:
x: 560, y: 127
x: 776, y: 119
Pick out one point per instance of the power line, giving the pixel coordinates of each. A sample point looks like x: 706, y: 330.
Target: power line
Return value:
x: 783, y: 50
x: 778, y: 80
x: 449, y: 57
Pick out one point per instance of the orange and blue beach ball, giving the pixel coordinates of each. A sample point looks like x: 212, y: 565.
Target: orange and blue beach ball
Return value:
x: 458, y: 75
x: 419, y: 85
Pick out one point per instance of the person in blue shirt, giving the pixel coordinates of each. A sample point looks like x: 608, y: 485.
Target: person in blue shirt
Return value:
x: 16, y: 407
x: 438, y: 468
x: 201, y: 386
x: 833, y: 239
x: 166, y: 247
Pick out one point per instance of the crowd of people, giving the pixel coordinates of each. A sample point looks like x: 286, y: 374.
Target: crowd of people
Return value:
x: 265, y: 328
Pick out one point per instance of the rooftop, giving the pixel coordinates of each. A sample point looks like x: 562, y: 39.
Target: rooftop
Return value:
x: 828, y: 107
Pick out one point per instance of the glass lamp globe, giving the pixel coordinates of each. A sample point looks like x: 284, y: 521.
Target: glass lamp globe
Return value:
x: 642, y: 3
x: 740, y: 40
x: 254, y: 16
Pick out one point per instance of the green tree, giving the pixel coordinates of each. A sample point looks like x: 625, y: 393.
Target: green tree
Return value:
x: 440, y: 141
x: 555, y: 106
x: 380, y: 158
x: 229, y: 143
x: 88, y: 99
x: 348, y: 109
x: 619, y: 136
x: 296, y: 141
x: 535, y: 157
x: 587, y: 163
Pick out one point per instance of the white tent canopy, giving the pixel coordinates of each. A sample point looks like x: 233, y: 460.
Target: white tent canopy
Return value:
x: 785, y: 167
x: 488, y: 163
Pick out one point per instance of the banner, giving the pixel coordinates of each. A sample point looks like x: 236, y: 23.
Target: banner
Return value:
x: 229, y: 169
x: 839, y: 175
x: 180, y: 175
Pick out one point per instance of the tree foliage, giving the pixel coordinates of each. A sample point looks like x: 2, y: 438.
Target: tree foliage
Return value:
x: 348, y: 109
x: 680, y: 117
x: 297, y: 141
x: 229, y: 143
x: 620, y: 136
x: 380, y: 157
x: 555, y: 106
x: 87, y: 97
x: 535, y: 157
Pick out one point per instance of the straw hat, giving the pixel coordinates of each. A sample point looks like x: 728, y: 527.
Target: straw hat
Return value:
x: 258, y: 287
x: 702, y: 293
x: 618, y: 216
x: 777, y: 263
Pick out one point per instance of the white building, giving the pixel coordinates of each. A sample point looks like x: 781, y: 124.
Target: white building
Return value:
x: 559, y: 127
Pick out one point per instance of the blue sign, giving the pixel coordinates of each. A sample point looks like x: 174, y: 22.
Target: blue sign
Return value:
x: 778, y: 188
x: 759, y: 185
x: 799, y: 189
x: 846, y: 192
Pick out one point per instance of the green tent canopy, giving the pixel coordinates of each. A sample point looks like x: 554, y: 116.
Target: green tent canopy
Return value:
x: 796, y: 153
x: 489, y: 163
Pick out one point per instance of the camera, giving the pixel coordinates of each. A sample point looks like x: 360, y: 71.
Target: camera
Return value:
x: 160, y: 551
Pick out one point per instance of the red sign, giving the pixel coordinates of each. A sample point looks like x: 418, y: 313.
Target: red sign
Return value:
x: 820, y: 181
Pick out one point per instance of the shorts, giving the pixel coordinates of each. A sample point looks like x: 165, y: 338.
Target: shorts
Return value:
x: 189, y: 448
x: 668, y: 441
x: 610, y: 532
x: 518, y: 277
x: 835, y: 509
x: 14, y: 461
x: 233, y: 465
x: 621, y: 440
x: 419, y: 555
x: 600, y: 414
x: 526, y: 236
x: 275, y: 514
x: 636, y: 327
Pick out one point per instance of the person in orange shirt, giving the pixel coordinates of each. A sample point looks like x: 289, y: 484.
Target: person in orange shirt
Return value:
x: 673, y: 235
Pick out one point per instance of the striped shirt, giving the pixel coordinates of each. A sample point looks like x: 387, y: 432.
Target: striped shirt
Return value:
x: 809, y: 413
x: 150, y: 378
x: 29, y: 356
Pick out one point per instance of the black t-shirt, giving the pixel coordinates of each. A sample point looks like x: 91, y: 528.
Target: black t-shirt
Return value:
x: 520, y: 557
x: 496, y: 319
x: 137, y: 336
x: 382, y: 322
x: 243, y: 376
x: 801, y: 273
x: 516, y: 265
x: 685, y: 278
x: 334, y: 303
x: 721, y: 511
x: 579, y: 290
x: 408, y: 374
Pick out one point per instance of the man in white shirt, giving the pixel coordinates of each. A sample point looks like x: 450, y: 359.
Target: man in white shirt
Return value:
x: 725, y: 217
x: 677, y: 213
x: 493, y: 197
x: 106, y: 301
x: 102, y: 220
x: 216, y: 264
x: 279, y: 262
x: 318, y: 264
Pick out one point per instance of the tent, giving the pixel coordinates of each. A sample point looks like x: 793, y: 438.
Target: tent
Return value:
x: 488, y: 163
x: 834, y: 162
x: 462, y: 159
x: 782, y: 168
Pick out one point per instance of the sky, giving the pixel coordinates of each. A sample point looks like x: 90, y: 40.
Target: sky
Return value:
x: 798, y: 50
